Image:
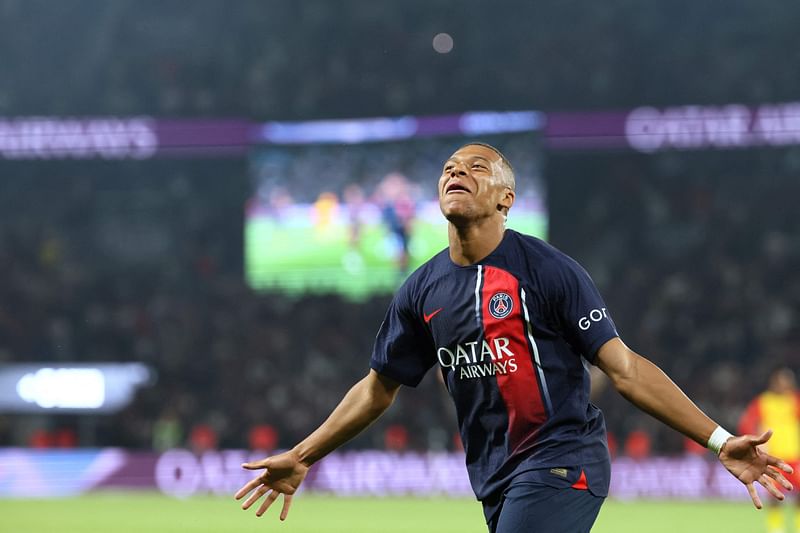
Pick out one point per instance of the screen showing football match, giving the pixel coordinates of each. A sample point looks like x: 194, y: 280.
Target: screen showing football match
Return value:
x: 357, y: 219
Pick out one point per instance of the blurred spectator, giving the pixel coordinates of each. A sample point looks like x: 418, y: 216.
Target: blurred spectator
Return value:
x: 203, y: 438
x: 693, y: 448
x: 263, y: 437
x: 167, y: 431
x: 396, y: 438
x: 65, y: 438
x: 638, y: 444
x: 613, y: 445
x: 41, y: 438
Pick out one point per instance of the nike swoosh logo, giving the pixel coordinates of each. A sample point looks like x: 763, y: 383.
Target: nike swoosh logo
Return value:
x: 428, y: 317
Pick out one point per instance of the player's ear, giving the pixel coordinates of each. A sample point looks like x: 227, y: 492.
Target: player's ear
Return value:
x: 506, y: 201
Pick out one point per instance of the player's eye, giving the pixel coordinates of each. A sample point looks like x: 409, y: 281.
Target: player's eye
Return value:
x: 448, y: 168
x: 479, y: 166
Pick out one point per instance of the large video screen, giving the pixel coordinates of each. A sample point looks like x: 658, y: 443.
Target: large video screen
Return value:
x: 356, y: 219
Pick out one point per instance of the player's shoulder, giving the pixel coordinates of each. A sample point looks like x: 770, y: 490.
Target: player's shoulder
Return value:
x: 534, y: 246
x: 542, y: 256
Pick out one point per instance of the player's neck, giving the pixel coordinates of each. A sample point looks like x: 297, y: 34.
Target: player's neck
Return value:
x: 471, y: 243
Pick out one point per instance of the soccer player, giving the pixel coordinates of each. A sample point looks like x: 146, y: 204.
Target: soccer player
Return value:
x: 511, y: 322
x: 778, y: 408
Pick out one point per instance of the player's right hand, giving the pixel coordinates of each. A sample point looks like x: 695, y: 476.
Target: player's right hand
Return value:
x: 282, y: 475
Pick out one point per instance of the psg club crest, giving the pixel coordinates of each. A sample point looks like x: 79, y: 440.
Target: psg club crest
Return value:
x: 500, y: 305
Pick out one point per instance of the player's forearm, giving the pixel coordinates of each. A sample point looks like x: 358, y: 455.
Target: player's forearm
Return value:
x: 361, y: 406
x: 650, y: 389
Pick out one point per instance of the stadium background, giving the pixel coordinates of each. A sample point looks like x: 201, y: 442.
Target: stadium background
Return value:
x: 666, y: 141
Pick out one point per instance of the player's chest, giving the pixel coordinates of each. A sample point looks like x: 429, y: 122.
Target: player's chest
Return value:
x: 475, y: 304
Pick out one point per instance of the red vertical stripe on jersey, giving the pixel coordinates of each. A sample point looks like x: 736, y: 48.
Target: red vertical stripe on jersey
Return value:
x: 520, y: 389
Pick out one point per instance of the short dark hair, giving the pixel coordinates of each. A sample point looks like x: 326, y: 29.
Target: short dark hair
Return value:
x: 503, y: 158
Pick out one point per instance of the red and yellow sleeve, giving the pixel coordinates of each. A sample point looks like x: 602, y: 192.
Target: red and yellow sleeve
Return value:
x: 751, y: 418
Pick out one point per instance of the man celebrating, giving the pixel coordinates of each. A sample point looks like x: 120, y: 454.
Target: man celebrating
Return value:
x: 511, y: 321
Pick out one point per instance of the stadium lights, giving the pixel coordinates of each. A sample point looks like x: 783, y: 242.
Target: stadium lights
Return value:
x: 64, y: 388
x: 102, y: 388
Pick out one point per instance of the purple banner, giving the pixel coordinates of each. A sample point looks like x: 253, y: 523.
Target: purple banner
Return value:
x: 645, y: 129
x: 32, y: 138
x: 684, y: 478
x: 203, y: 137
x: 648, y: 130
x: 78, y: 138
x: 600, y: 130
x: 181, y: 473
x: 26, y: 138
x: 719, y: 127
x: 354, y: 131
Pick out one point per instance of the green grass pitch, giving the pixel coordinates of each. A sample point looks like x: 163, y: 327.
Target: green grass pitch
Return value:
x: 297, y: 259
x: 153, y: 513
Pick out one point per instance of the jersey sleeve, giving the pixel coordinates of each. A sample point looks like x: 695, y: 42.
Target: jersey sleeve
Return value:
x: 578, y: 307
x: 403, y: 350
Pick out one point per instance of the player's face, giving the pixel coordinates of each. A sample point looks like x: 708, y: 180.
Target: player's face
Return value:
x: 472, y: 186
x: 783, y: 382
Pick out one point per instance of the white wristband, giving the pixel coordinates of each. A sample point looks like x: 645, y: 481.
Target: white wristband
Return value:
x: 717, y: 439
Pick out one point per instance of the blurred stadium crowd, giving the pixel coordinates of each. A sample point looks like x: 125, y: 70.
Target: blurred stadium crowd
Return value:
x: 697, y: 264
x: 695, y: 255
x: 226, y: 358
x: 299, y: 60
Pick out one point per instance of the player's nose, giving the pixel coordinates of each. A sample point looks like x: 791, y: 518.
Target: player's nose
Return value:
x: 458, y: 169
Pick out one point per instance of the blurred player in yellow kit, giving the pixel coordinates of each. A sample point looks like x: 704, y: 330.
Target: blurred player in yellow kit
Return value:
x: 778, y: 408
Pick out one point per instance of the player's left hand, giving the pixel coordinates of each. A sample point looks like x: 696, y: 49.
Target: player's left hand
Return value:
x: 282, y: 474
x: 749, y: 464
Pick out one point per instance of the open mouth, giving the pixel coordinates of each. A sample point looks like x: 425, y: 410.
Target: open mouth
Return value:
x: 455, y: 187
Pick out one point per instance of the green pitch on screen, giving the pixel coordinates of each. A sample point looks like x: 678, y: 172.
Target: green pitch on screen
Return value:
x: 308, y: 259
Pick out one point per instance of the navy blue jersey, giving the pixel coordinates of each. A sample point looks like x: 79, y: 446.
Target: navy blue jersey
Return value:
x: 511, y: 335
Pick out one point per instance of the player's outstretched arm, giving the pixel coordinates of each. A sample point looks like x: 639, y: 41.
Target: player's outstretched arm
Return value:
x: 648, y: 387
x: 283, y: 473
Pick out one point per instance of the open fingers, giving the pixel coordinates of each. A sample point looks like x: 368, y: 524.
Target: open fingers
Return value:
x: 777, y: 463
x: 779, y: 477
x: 258, y: 493
x: 287, y: 502
x: 247, y: 487
x: 767, y: 483
x: 754, y: 496
x: 267, y: 502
